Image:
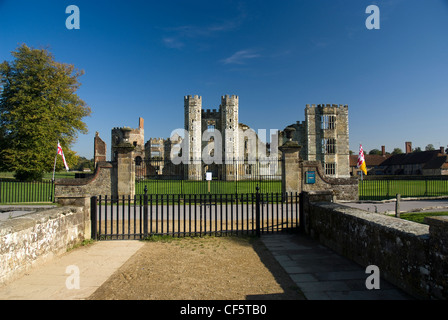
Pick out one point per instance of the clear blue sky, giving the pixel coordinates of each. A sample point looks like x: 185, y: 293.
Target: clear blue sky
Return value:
x: 142, y: 57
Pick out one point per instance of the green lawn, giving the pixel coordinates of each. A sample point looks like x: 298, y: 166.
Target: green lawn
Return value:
x: 12, y: 191
x: 22, y: 192
x: 201, y: 187
x: 420, y: 216
x: 387, y: 189
x: 47, y: 176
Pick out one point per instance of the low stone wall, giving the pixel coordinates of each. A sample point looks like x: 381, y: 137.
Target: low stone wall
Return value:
x: 32, y: 239
x: 438, y: 254
x: 410, y: 255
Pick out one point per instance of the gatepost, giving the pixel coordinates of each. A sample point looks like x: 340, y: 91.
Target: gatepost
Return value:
x: 291, y: 164
x: 125, y: 173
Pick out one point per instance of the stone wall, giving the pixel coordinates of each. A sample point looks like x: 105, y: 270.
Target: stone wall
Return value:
x: 410, y: 255
x: 102, y: 182
x: 438, y: 255
x: 32, y: 239
x: 344, y: 189
x: 295, y: 170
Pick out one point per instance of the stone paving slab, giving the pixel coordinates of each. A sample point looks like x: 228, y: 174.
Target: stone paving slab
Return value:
x: 322, y: 274
x: 95, y: 262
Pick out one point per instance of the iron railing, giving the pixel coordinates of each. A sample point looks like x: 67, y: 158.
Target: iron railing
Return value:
x: 235, y: 176
x: 193, y: 215
x: 12, y: 191
x: 381, y: 189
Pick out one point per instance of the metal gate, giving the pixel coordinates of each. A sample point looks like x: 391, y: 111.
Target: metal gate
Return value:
x: 193, y: 215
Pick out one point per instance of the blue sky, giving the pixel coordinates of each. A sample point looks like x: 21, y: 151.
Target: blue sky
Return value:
x: 142, y: 57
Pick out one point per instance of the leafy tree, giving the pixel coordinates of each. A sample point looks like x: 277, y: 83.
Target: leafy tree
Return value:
x: 429, y: 147
x: 418, y: 149
x: 375, y: 151
x: 38, y: 108
x: 84, y: 163
x: 397, y: 151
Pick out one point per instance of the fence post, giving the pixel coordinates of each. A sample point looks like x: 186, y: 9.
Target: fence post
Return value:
x: 93, y: 217
x: 52, y: 192
x: 257, y: 212
x: 397, y: 206
x: 145, y: 213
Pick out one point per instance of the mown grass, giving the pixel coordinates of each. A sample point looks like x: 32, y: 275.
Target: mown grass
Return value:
x: 387, y: 189
x: 202, y: 187
x: 420, y: 216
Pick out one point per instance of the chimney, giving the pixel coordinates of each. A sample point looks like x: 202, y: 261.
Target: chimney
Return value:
x: 408, y: 147
x: 383, y: 151
x: 442, y: 150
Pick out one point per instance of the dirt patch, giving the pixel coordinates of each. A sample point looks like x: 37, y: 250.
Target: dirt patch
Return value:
x: 206, y: 268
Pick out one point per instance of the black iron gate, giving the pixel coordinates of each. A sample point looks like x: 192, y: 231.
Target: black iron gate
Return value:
x: 193, y: 215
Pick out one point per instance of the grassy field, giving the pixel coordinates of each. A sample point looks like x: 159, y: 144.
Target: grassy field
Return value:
x: 23, y: 192
x: 34, y: 192
x: 202, y: 187
x: 420, y: 216
x: 47, y: 176
x: 387, y: 189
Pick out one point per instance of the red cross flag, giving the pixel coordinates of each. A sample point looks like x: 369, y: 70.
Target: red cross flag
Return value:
x: 361, y: 161
x: 63, y: 157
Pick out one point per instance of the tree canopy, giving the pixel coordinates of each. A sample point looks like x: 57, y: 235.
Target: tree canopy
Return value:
x: 375, y: 151
x: 38, y: 107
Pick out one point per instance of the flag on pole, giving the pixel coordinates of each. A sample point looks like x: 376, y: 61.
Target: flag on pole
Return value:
x: 63, y: 157
x: 361, y: 161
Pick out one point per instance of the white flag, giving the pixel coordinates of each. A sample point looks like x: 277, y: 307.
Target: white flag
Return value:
x: 63, y: 157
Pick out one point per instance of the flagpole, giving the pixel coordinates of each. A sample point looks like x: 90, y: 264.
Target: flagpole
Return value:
x: 55, y: 158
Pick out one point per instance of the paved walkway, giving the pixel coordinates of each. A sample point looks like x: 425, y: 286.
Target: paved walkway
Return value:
x: 321, y: 274
x: 95, y: 263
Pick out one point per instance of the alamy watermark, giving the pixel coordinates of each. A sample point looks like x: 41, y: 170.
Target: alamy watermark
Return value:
x: 73, y: 21
x: 373, y: 280
x: 373, y: 20
x: 73, y: 280
x: 223, y: 147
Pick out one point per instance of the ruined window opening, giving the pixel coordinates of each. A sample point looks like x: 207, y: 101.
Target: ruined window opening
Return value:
x: 211, y: 128
x: 328, y: 122
x: 329, y: 146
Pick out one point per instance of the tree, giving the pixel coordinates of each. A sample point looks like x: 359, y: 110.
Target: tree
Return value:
x: 397, y: 151
x: 38, y: 108
x: 375, y: 151
x: 429, y: 147
x: 418, y: 149
x: 84, y: 163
